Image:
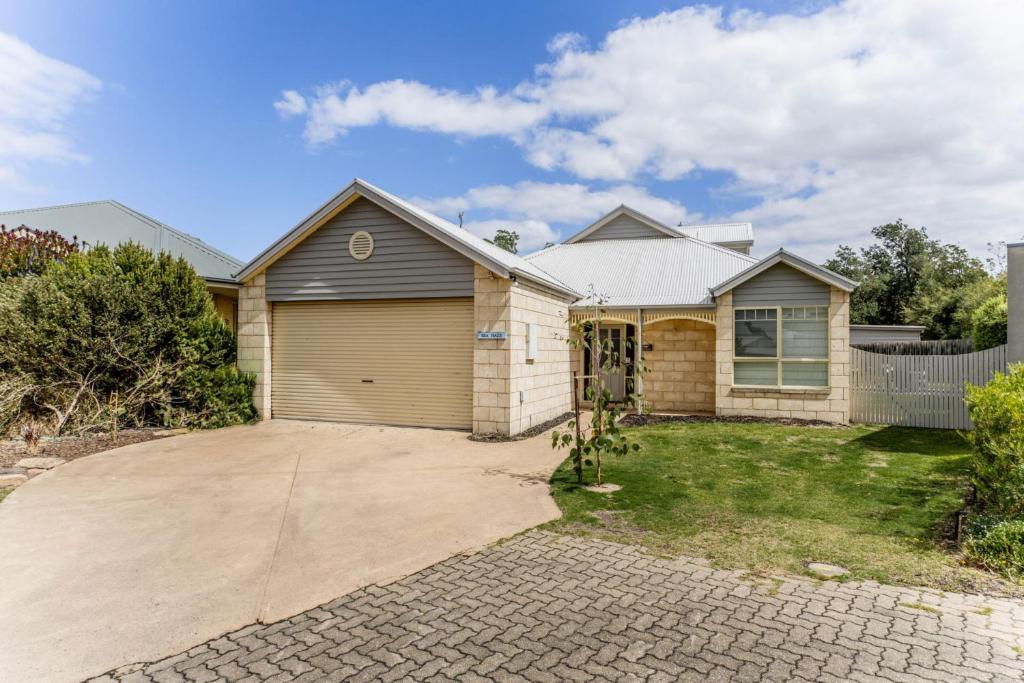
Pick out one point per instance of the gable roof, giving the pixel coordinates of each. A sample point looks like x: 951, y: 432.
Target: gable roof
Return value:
x: 111, y: 223
x: 720, y: 233
x: 621, y: 210
x: 491, y: 257
x: 789, y: 259
x: 644, y: 272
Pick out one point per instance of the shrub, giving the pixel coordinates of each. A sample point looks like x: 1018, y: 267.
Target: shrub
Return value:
x: 119, y: 337
x: 998, y: 545
x: 989, y: 323
x: 997, y: 410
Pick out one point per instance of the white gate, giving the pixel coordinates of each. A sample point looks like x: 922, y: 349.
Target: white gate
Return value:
x: 918, y: 391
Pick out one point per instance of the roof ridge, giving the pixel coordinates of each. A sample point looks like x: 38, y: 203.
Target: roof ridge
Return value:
x: 59, y: 206
x: 195, y: 241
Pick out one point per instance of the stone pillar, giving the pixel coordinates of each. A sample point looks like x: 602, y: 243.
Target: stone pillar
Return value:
x: 492, y: 312
x: 723, y: 355
x: 254, y: 324
x: 1015, y: 302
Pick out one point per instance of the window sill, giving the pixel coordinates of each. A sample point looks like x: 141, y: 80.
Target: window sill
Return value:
x: 806, y: 391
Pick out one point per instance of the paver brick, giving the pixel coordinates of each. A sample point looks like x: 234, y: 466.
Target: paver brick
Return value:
x: 548, y: 608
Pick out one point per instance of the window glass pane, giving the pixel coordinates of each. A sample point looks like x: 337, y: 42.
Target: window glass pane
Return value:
x: 756, y: 334
x: 804, y: 374
x: 758, y: 374
x: 804, y: 338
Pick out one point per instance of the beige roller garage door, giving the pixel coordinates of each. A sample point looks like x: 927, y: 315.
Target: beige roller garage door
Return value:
x: 384, y: 362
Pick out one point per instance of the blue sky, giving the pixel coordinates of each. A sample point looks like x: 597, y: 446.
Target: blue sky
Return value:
x: 813, y: 121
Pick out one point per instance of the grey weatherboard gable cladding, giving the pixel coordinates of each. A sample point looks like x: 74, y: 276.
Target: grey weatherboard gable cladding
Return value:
x: 111, y: 223
x: 782, y: 285
x: 624, y: 227
x: 406, y: 262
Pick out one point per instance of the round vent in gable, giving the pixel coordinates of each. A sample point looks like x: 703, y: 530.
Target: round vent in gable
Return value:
x: 360, y: 245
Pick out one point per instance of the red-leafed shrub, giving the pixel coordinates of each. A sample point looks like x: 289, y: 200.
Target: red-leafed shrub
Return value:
x: 27, y: 251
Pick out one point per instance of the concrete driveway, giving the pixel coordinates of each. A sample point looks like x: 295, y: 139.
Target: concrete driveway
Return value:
x: 140, y: 552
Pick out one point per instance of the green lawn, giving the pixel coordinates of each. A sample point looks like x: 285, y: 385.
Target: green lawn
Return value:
x: 877, y: 500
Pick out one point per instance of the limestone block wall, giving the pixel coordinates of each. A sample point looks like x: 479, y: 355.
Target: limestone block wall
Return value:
x: 511, y: 394
x: 254, y: 327
x: 831, y: 403
x: 681, y: 367
x: 492, y: 311
x: 540, y: 389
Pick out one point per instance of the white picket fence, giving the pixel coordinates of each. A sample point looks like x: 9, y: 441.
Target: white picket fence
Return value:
x: 918, y: 391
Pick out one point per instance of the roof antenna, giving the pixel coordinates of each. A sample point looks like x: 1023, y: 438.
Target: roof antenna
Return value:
x: 461, y: 214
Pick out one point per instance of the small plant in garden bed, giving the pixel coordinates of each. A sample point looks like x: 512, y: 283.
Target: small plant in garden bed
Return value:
x: 588, y: 444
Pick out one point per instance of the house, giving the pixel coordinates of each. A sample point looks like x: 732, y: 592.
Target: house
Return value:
x: 111, y: 223
x: 374, y: 310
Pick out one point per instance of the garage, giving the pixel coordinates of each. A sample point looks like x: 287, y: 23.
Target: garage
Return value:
x: 404, y: 362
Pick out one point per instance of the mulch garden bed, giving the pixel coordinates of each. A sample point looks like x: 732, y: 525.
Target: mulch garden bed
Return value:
x: 532, y: 431
x: 634, y: 420
x: 71, y: 447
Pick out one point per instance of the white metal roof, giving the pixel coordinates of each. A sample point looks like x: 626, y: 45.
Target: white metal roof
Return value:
x: 111, y: 223
x: 466, y: 243
x: 643, y: 272
x: 720, y: 233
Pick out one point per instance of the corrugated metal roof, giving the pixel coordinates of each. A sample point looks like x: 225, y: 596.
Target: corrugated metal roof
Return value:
x: 719, y: 233
x: 639, y: 272
x: 111, y: 223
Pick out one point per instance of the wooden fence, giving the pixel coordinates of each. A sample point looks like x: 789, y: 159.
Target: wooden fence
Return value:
x: 918, y: 391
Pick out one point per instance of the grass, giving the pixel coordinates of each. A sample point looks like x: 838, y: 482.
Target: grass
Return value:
x: 4, y: 492
x: 879, y: 501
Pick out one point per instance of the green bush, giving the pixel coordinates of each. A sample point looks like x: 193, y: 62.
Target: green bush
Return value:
x: 997, y: 410
x: 998, y: 545
x: 989, y: 323
x: 119, y: 336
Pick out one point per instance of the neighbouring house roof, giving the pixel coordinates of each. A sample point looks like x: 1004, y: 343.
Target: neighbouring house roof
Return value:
x: 790, y: 259
x: 890, y: 328
x: 644, y: 272
x: 111, y: 223
x: 720, y: 233
x: 495, y: 259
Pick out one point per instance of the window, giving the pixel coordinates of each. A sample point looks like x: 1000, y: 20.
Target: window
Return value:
x: 781, y: 347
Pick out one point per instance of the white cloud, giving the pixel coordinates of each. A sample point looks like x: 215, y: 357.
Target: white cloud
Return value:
x: 566, y: 41
x: 37, y: 95
x: 291, y: 104
x: 532, y: 234
x: 832, y: 121
x: 535, y: 207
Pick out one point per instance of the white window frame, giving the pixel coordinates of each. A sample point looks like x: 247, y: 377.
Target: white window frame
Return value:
x: 778, y: 359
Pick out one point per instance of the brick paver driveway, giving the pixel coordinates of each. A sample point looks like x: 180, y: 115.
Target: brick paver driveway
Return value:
x: 544, y: 607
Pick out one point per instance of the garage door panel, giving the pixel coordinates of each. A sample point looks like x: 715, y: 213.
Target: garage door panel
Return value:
x: 389, y: 362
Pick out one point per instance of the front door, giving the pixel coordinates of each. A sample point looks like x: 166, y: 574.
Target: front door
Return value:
x: 613, y: 370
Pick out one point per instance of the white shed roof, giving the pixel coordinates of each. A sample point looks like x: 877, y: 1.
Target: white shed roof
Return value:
x: 643, y: 272
x: 720, y: 233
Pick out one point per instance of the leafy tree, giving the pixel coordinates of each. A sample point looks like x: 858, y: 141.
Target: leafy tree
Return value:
x: 989, y: 324
x: 908, y: 278
x: 119, y: 338
x: 27, y: 251
x: 507, y: 240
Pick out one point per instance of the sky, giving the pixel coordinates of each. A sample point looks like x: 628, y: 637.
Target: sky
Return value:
x: 813, y: 120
